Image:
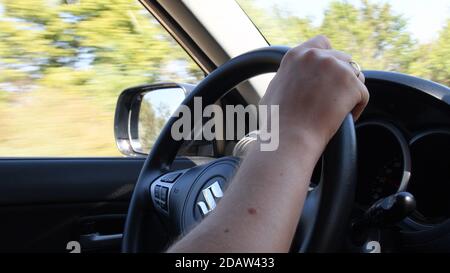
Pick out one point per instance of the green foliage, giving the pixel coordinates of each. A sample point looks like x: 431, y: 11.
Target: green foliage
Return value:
x: 64, y: 62
x: 372, y: 33
x: 279, y: 28
x: 433, y: 60
x: 151, y: 123
x: 118, y: 35
x: 82, y: 53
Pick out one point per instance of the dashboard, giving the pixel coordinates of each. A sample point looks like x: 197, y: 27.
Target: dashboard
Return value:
x: 404, y: 145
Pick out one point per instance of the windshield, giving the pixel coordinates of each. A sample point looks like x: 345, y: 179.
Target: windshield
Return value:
x: 406, y: 36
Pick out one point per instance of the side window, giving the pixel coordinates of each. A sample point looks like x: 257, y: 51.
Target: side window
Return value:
x: 63, y: 65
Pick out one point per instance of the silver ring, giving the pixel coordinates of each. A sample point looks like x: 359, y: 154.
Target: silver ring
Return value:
x: 356, y: 66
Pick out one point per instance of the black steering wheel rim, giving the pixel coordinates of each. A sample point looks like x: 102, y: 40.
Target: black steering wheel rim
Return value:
x: 333, y: 198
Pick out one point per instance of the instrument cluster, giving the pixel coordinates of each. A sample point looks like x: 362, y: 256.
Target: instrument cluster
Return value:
x: 391, y: 160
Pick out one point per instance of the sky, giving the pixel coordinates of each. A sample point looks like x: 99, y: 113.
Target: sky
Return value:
x: 425, y: 17
x: 171, y: 98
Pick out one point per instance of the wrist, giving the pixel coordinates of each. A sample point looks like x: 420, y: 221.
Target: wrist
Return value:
x: 303, y: 139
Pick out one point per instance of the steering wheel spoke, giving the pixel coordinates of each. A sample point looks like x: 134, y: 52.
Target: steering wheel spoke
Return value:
x: 160, y: 190
x: 185, y: 197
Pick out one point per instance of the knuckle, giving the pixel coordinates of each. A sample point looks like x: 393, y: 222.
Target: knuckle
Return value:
x: 292, y: 55
x: 311, y: 54
x: 329, y: 62
x: 323, y: 40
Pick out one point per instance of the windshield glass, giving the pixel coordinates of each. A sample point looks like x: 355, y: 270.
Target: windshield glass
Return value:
x: 406, y: 36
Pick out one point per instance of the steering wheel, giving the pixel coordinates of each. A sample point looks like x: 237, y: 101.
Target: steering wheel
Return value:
x: 183, y: 198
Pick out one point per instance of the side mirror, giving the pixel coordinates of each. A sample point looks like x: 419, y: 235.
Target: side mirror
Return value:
x: 141, y: 113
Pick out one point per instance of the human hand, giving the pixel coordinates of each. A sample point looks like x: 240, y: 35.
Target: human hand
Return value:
x: 315, y: 88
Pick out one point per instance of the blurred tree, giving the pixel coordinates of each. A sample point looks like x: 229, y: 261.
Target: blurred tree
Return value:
x: 373, y: 33
x: 151, y: 122
x: 73, y: 53
x: 279, y: 27
x: 432, y: 60
x: 65, y: 61
x: 117, y: 38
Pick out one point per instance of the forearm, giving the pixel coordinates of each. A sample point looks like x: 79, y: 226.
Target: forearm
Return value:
x: 262, y: 206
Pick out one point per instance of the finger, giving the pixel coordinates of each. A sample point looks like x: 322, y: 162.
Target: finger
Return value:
x: 361, y: 77
x: 356, y: 68
x: 342, y: 56
x: 361, y: 89
x: 339, y: 55
x: 347, y: 58
x: 361, y: 105
x: 319, y: 41
x: 357, y: 72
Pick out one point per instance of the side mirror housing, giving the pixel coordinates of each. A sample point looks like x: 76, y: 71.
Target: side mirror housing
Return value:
x: 141, y: 113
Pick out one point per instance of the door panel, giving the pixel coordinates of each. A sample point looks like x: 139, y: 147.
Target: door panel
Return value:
x: 45, y: 203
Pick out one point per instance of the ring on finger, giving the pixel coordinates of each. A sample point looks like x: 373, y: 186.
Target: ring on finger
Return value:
x: 356, y: 67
